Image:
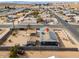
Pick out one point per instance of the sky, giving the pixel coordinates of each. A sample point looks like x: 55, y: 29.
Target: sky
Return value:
x: 39, y: 0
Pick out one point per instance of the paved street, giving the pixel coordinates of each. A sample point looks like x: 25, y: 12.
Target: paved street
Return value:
x: 25, y: 25
x: 12, y: 12
x: 69, y: 28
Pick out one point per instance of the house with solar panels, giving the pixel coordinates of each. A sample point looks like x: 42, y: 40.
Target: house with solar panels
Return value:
x: 48, y: 38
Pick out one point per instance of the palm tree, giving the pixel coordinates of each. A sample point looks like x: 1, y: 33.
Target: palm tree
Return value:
x: 37, y: 43
x: 13, y: 24
x: 28, y: 26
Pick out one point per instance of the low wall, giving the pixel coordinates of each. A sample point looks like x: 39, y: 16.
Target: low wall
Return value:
x: 41, y: 48
x: 5, y: 36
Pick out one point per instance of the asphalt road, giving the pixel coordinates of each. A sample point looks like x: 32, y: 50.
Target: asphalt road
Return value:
x: 69, y: 28
x: 32, y: 25
x: 25, y: 25
x: 12, y: 12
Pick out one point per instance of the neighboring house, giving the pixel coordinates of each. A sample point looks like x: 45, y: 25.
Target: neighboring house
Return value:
x: 76, y: 19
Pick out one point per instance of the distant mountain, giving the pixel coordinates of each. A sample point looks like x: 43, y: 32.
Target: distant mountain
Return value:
x: 40, y: 2
x: 24, y: 2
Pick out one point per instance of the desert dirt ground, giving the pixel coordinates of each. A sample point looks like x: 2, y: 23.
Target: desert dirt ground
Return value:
x: 44, y: 54
x: 20, y: 38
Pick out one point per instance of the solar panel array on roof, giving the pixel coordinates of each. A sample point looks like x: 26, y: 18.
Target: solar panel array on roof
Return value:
x: 51, y: 41
x: 50, y: 36
x: 53, y: 36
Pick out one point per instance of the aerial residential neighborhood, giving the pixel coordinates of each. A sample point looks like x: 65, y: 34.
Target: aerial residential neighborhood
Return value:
x: 39, y: 30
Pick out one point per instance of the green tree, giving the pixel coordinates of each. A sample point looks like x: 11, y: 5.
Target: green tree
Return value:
x: 39, y: 20
x: 14, y: 51
x: 35, y: 13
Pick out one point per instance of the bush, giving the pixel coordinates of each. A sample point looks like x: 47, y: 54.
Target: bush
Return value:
x: 39, y: 20
x: 15, y: 51
x: 35, y: 13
